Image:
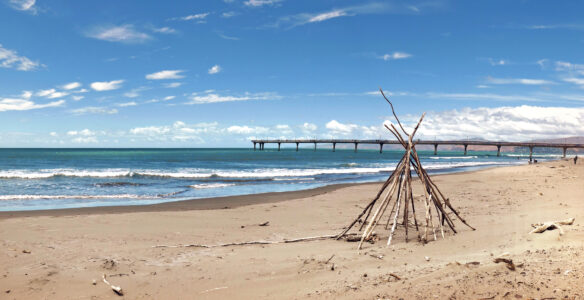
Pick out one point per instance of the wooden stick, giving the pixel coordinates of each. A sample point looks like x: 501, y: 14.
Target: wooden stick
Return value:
x: 369, y: 206
x: 304, y: 239
x: 371, y: 225
x: 393, y: 111
x: 118, y: 290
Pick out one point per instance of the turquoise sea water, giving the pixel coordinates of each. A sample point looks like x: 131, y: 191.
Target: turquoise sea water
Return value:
x: 60, y: 178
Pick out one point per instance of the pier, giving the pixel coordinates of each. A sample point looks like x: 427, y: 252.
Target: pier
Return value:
x: 260, y: 144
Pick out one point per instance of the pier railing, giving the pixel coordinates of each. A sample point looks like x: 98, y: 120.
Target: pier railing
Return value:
x: 465, y: 143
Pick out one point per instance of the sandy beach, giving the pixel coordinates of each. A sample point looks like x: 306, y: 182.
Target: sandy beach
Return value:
x: 58, y: 254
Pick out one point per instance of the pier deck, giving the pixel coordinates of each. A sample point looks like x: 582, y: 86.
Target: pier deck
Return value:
x: 465, y: 143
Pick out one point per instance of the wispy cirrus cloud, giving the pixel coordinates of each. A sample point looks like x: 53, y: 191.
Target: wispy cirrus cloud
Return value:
x: 523, y: 81
x: 164, y: 30
x: 165, y: 74
x: 171, y: 85
x: 573, y: 26
x: 197, y: 17
x: 213, y: 97
x: 11, y: 60
x: 349, y: 11
x: 25, y: 103
x: 24, y: 5
x: 101, y: 86
x: 395, y: 56
x: 123, y: 34
x: 94, y: 110
x: 259, y: 3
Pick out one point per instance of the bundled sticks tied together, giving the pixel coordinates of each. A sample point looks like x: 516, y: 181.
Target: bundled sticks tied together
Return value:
x: 397, y: 193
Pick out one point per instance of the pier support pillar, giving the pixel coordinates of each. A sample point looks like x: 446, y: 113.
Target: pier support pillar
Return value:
x: 297, y: 147
x: 465, y: 146
x: 356, y: 147
x: 381, y: 148
x: 435, y: 149
x: 498, y: 150
x: 254, y: 146
x: 314, y: 146
x: 278, y: 146
x: 262, y: 146
x: 334, y: 146
x: 565, y: 148
x: 530, y: 153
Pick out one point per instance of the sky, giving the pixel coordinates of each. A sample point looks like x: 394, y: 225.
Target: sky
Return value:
x: 218, y: 73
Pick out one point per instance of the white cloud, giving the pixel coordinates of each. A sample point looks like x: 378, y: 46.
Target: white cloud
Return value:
x: 337, y: 127
x: 524, y: 81
x: 229, y: 14
x: 7, y: 104
x: 497, y: 62
x: 85, y: 140
x: 45, y: 93
x: 171, y: 85
x: 10, y: 59
x: 396, y: 56
x: 77, y: 98
x: 564, y: 66
x: 519, y: 123
x: 165, y: 30
x: 352, y: 130
x: 312, y: 18
x: 165, y: 74
x: 94, y: 110
x: 258, y: 3
x: 308, y: 128
x: 199, y: 17
x: 71, y: 86
x: 53, y: 134
x: 126, y: 104
x: 168, y: 98
x: 214, y: 69
x: 327, y: 16
x: 84, y: 132
x: 215, y: 98
x: 245, y: 130
x: 574, y: 80
x: 226, y: 37
x: 150, y: 130
x: 123, y: 34
x: 24, y: 5
x: 107, y: 85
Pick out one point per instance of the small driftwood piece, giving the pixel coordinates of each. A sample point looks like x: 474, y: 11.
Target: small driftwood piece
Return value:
x: 265, y: 223
x: 304, y: 239
x: 541, y: 227
x: 509, y: 262
x: 118, y: 290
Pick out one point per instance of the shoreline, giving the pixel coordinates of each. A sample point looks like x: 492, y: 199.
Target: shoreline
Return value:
x: 211, y: 203
x: 147, y: 249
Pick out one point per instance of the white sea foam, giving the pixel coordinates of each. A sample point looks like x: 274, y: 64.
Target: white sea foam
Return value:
x: 210, y: 185
x: 43, y: 197
x: 275, y: 173
x: 452, y: 157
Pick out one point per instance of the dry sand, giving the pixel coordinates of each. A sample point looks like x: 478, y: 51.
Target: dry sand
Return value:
x: 57, y: 254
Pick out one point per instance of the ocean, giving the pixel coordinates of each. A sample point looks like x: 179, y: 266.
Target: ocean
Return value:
x: 33, y: 179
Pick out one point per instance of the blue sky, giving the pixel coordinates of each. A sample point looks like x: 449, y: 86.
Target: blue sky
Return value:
x: 217, y: 73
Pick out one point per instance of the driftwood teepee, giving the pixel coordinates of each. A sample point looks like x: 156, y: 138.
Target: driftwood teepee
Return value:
x: 400, y: 183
